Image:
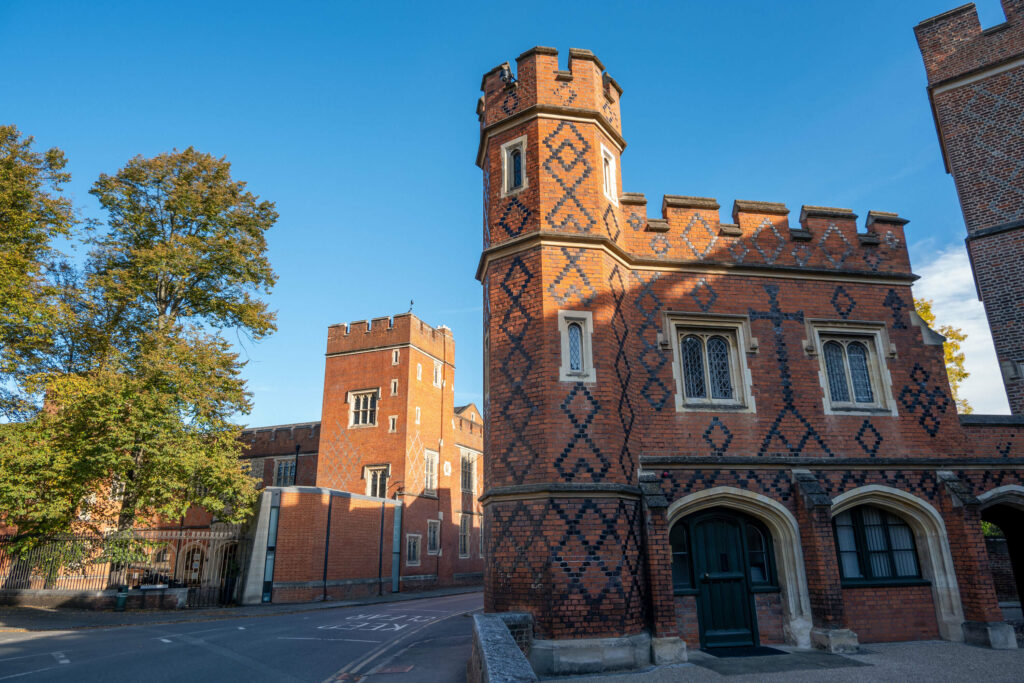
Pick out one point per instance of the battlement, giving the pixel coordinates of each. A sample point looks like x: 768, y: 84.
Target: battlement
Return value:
x: 390, y: 331
x: 690, y: 228
x: 953, y: 43
x: 537, y: 81
x: 280, y: 439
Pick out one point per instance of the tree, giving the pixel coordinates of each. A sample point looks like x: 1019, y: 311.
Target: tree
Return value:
x: 33, y: 214
x: 140, y: 383
x: 954, y: 356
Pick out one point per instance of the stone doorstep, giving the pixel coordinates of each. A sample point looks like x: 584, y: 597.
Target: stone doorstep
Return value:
x: 997, y: 635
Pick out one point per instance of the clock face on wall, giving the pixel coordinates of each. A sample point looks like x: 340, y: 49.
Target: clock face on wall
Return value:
x: 447, y: 469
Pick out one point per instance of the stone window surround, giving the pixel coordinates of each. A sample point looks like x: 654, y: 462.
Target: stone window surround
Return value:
x: 586, y: 320
x: 435, y: 524
x: 876, y: 338
x: 410, y: 541
x: 430, y: 473
x: 350, y: 399
x: 736, y: 329
x: 506, y: 166
x: 465, y: 534
x: 609, y: 182
x: 367, y: 475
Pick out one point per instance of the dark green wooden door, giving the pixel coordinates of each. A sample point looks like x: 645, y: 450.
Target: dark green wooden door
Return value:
x: 724, y: 601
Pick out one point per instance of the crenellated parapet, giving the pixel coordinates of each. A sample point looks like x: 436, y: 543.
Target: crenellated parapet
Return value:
x: 538, y: 82
x: 953, y: 43
x: 388, y: 331
x: 690, y: 229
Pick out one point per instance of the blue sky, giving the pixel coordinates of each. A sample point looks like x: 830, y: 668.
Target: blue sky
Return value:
x: 358, y: 121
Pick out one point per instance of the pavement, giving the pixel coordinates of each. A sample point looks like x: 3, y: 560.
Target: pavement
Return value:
x: 425, y: 639
x: 934, y: 661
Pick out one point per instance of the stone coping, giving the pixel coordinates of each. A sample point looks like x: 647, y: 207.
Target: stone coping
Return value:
x: 496, y: 658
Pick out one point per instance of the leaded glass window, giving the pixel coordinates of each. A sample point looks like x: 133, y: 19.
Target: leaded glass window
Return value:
x: 364, y: 408
x: 707, y: 365
x: 836, y: 372
x: 849, y: 368
x: 575, y: 347
x: 517, y: 169
x: 681, y: 574
x: 875, y: 545
x: 718, y: 368
x: 693, y: 367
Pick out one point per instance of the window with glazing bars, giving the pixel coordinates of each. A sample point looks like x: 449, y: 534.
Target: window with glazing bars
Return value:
x: 468, y: 472
x: 848, y: 367
x: 465, y: 525
x: 377, y: 481
x: 875, y: 545
x: 284, y: 473
x: 707, y: 364
x: 364, y: 408
x: 433, y: 536
x: 430, y: 472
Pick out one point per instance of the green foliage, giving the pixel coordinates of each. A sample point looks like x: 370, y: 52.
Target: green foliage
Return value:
x: 954, y: 356
x: 991, y: 530
x: 139, y: 381
x: 32, y: 215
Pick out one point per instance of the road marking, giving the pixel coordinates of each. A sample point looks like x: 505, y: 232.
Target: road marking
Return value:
x: 352, y: 671
x: 61, y: 658
x: 241, y: 628
x: 342, y: 640
x: 165, y: 640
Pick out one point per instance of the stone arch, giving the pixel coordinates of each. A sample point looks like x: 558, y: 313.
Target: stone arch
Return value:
x: 1011, y: 495
x: 936, y: 559
x: 789, y: 557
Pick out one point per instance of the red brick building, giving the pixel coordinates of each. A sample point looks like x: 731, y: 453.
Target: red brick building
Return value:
x: 380, y: 495
x: 718, y: 433
x: 976, y: 89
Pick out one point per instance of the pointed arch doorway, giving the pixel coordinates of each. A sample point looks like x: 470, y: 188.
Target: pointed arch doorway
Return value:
x: 723, y: 557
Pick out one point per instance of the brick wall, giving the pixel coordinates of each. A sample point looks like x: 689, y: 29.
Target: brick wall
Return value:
x: 1002, y: 570
x: 976, y: 88
x: 881, y: 615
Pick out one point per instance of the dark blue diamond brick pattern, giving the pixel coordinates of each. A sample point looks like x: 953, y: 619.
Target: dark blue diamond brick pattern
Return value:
x: 515, y: 217
x: 931, y: 403
x: 611, y: 223
x: 868, y: 438
x: 922, y: 483
x: 843, y: 302
x: 510, y: 103
x: 652, y: 358
x: 636, y: 221
x: 581, y: 454
x: 704, y: 295
x: 571, y: 285
x: 623, y: 371
x: 772, y: 483
x: 568, y: 165
x: 718, y: 436
x: 897, y: 306
x: 516, y: 408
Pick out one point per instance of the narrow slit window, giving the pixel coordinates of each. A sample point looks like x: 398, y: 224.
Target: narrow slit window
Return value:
x: 575, y: 347
x: 516, y: 159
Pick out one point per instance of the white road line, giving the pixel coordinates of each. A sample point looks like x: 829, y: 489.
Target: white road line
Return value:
x: 241, y: 628
x: 165, y: 640
x: 61, y: 659
x: 342, y: 640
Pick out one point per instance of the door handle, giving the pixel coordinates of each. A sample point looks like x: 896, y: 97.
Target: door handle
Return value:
x: 706, y: 576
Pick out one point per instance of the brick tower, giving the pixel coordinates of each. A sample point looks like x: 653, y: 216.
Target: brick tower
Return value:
x: 562, y: 507
x: 976, y: 88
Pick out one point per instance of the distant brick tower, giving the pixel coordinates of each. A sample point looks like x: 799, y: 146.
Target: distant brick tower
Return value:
x: 976, y: 88
x: 562, y: 506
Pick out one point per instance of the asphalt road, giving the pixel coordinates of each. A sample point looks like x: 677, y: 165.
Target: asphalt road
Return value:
x: 416, y: 640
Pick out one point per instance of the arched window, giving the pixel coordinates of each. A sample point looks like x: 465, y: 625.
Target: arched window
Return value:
x: 707, y: 367
x: 682, y: 576
x: 757, y: 556
x: 718, y: 368
x: 848, y: 366
x: 517, y: 168
x: 575, y: 347
x: 836, y: 372
x: 875, y: 546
